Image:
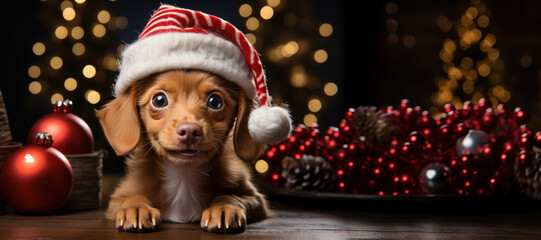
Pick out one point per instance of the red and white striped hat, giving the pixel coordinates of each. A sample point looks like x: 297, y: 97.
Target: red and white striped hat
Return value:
x: 177, y: 38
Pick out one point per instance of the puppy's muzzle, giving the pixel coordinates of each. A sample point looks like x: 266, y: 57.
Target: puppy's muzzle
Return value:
x: 189, y: 133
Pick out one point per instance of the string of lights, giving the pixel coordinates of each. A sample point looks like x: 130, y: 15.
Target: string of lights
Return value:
x: 472, y: 65
x: 79, y: 55
x: 292, y: 44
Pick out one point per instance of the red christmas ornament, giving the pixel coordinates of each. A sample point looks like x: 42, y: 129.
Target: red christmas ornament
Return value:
x: 72, y: 134
x: 37, y: 179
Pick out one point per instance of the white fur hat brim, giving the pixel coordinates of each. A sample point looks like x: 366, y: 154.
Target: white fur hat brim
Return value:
x: 171, y: 51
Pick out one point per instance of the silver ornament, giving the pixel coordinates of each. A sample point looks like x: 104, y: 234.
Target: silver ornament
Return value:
x: 472, y: 143
x: 434, y: 179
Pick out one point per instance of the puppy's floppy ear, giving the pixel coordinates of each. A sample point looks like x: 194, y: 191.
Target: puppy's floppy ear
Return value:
x: 120, y: 123
x: 245, y: 147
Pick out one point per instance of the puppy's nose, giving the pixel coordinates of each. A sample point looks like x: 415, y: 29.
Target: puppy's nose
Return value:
x: 189, y: 133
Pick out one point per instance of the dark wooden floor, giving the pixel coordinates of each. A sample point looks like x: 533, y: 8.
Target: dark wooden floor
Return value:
x: 307, y: 219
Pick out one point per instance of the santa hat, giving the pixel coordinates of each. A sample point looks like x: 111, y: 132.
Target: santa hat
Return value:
x: 176, y: 38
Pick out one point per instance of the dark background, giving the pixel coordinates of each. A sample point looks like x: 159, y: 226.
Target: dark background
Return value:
x: 366, y: 67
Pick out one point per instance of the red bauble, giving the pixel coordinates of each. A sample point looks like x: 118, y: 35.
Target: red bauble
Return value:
x: 36, y: 179
x: 71, y: 134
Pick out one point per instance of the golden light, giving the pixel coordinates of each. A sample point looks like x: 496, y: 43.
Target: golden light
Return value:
x: 245, y: 10
x: 314, y: 105
x: 266, y: 12
x: 78, y: 49
x: 70, y: 84
x: 483, y: 21
x: 89, y: 71
x: 120, y: 47
x: 449, y: 45
x: 325, y: 29
x: 61, y: 32
x: 483, y: 69
x: 99, y: 30
x: 77, y: 32
x: 273, y: 3
x: 109, y: 62
x: 391, y: 8
x: 104, y: 16
x: 471, y: 36
x: 251, y: 38
x: 57, y: 97
x: 445, y: 56
x: 68, y: 13
x: 466, y: 63
x: 493, y: 54
x: 290, y: 48
x: 309, y: 119
x: 65, y: 4
x: 454, y: 73
x: 261, y: 166
x: 471, y: 12
x: 320, y: 56
x: 330, y: 89
x: 467, y: 87
x: 525, y: 61
x: 444, y: 23
x: 445, y: 96
x: 38, y: 48
x: 298, y: 77
x: 92, y: 96
x: 497, y: 91
x: 80, y: 1
x: 506, y: 96
x: 252, y: 24
x: 392, y: 38
x: 34, y: 71
x: 121, y: 22
x: 466, y: 21
x: 56, y: 62
x: 488, y: 42
x: 34, y: 87
x: 391, y: 25
x: 471, y: 75
x: 409, y: 41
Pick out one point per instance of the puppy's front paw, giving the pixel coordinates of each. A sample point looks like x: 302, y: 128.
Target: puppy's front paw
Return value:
x: 137, y: 219
x: 223, y: 218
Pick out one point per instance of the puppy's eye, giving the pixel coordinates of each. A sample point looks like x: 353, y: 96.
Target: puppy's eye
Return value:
x: 159, y: 100
x: 215, y: 102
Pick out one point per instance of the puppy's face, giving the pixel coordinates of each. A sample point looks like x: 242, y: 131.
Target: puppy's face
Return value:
x: 187, y: 115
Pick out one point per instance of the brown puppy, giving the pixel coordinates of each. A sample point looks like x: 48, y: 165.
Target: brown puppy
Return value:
x: 186, y: 135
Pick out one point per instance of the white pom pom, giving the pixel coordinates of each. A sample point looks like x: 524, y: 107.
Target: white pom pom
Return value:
x: 269, y: 124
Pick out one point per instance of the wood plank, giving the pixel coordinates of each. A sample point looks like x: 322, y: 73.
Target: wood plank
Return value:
x: 292, y: 222
x: 308, y: 219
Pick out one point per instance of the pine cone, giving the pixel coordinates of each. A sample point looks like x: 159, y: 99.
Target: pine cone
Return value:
x: 5, y: 133
x: 371, y: 123
x: 308, y: 173
x: 529, y: 177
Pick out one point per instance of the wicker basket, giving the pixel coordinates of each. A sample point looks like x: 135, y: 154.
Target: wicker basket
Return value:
x: 87, y: 175
x: 5, y: 151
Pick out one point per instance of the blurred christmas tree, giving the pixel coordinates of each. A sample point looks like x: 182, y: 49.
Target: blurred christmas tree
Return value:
x: 472, y: 66
x: 79, y: 58
x: 295, y: 50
